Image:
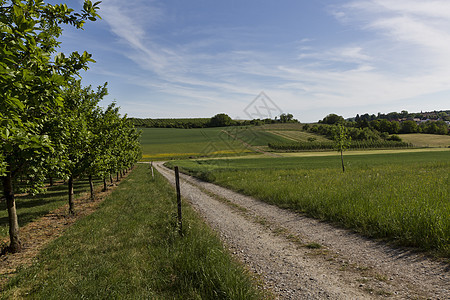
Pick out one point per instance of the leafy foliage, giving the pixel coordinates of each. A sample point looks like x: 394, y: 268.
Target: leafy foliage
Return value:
x: 46, y: 118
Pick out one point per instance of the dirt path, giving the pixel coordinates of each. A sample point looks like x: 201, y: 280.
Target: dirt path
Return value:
x: 301, y: 258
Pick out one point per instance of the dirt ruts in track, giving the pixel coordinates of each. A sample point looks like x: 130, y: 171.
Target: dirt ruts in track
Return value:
x: 302, y: 258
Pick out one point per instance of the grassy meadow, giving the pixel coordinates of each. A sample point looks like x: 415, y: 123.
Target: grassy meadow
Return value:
x: 402, y: 197
x: 130, y: 249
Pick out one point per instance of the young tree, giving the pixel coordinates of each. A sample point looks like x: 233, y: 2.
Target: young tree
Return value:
x: 342, y: 142
x: 30, y: 82
x: 80, y: 104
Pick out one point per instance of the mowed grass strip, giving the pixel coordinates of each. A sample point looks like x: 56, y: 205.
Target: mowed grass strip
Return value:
x: 130, y: 249
x: 402, y: 197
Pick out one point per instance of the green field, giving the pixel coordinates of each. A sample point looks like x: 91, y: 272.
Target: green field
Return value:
x: 255, y: 136
x: 172, y: 143
x: 130, y: 249
x: 403, y: 197
x: 426, y: 140
x: 300, y: 136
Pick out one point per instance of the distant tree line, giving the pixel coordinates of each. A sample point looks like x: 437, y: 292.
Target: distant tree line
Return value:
x: 443, y: 115
x: 219, y: 120
x: 365, y: 127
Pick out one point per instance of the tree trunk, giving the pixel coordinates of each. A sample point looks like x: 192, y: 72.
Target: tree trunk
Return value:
x: 342, y: 160
x: 91, y: 186
x: 71, y: 204
x: 51, y: 180
x: 117, y: 176
x: 110, y: 178
x: 8, y: 192
x: 104, y: 184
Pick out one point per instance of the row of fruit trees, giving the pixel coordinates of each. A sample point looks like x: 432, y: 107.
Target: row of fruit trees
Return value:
x: 50, y: 125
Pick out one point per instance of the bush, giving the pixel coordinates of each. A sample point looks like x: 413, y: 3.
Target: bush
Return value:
x: 394, y: 137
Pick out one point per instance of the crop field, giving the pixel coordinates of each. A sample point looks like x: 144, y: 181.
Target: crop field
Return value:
x: 300, y: 136
x: 175, y: 143
x: 255, y: 136
x: 172, y: 143
x: 402, y: 197
x: 426, y: 140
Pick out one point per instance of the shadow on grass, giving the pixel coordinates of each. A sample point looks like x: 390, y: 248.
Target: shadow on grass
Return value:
x: 32, y: 207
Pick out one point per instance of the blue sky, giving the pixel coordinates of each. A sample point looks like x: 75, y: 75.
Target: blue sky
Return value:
x: 197, y: 58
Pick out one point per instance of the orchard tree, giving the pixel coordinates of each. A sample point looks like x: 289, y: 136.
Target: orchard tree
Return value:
x: 31, y: 77
x: 342, y: 141
x: 79, y: 106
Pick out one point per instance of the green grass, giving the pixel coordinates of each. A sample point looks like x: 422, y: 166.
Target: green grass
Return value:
x: 30, y: 208
x: 403, y: 197
x: 130, y: 249
x: 255, y: 136
x: 426, y: 140
x: 172, y: 143
x: 300, y: 135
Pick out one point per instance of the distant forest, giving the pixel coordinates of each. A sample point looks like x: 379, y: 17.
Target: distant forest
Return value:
x: 443, y: 115
x: 219, y: 120
x: 436, y: 122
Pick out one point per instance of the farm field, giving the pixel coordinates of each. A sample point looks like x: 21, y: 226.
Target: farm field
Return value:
x: 255, y: 135
x: 299, y: 136
x: 130, y: 248
x: 173, y: 143
x: 426, y: 140
x: 403, y: 197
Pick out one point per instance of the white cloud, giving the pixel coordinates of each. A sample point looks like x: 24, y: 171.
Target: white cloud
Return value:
x: 405, y: 54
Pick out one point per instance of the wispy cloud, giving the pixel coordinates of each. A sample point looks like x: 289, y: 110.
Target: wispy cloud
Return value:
x: 405, y: 54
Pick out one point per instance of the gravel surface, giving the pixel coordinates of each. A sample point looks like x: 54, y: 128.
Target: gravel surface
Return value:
x: 302, y: 258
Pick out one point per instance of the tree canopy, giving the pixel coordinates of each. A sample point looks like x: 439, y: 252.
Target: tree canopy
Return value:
x: 49, y: 124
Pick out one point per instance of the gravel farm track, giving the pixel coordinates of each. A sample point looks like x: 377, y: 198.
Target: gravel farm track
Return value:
x: 301, y: 258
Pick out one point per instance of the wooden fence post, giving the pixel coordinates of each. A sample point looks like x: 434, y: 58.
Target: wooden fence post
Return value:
x: 151, y: 167
x: 177, y: 183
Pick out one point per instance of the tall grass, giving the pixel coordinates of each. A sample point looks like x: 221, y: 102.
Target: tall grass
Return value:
x: 130, y: 249
x: 404, y: 200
